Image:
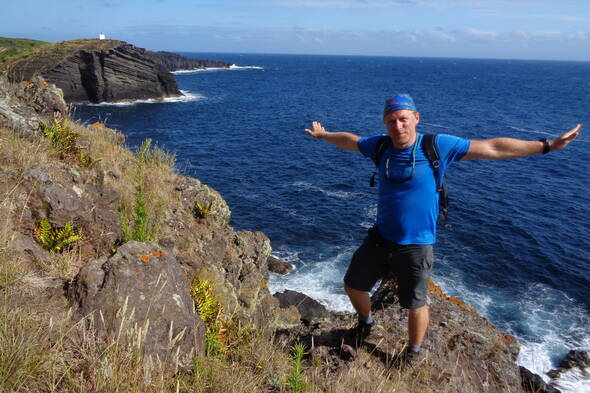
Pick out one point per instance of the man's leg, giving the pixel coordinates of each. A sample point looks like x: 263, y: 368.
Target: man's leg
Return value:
x: 417, y: 325
x: 360, y: 301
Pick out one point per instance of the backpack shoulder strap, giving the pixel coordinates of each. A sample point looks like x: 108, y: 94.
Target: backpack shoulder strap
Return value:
x: 382, y: 145
x: 431, y: 152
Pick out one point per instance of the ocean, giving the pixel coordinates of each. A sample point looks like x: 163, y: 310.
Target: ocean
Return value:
x: 515, y: 245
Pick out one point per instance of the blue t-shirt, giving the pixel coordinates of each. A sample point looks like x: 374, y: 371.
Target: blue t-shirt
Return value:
x: 407, y: 211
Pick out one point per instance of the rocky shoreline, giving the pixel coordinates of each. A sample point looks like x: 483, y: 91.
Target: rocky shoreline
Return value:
x: 140, y: 291
x: 95, y: 71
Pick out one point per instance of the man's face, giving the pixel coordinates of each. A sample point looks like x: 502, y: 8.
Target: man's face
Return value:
x: 401, y: 127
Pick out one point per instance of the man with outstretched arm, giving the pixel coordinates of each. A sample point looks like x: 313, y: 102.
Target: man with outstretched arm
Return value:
x: 405, y: 230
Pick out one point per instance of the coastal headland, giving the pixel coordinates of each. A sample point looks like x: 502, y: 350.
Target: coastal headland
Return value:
x: 94, y: 71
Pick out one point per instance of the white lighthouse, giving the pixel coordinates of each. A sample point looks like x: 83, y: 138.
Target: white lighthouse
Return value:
x: 101, y: 36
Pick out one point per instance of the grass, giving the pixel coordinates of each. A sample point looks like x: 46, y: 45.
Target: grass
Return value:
x: 40, y: 57
x: 15, y: 47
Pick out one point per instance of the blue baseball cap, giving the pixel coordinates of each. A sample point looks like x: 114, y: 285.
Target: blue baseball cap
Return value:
x: 397, y: 102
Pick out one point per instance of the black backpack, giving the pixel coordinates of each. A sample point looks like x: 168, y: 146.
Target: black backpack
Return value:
x: 431, y: 152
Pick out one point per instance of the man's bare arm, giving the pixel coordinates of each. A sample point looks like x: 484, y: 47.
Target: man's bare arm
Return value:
x: 343, y: 140
x: 503, y: 148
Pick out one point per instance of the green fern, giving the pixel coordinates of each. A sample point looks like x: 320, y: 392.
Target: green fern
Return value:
x: 57, y: 239
x: 209, y: 309
x: 64, y: 140
x: 202, y: 211
x: 86, y: 160
x: 60, y: 136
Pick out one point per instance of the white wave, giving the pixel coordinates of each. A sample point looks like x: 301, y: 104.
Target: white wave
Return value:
x: 336, y: 194
x: 436, y: 125
x: 574, y: 381
x: 559, y: 325
x: 231, y: 67
x: 453, y: 286
x: 545, y: 133
x: 186, y: 97
x: 369, y: 213
x: 321, y: 280
x: 237, y: 67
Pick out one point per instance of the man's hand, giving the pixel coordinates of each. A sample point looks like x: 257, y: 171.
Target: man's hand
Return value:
x: 343, y: 140
x: 564, y: 139
x: 317, y: 131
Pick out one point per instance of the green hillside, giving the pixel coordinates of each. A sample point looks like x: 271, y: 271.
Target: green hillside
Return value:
x: 13, y: 47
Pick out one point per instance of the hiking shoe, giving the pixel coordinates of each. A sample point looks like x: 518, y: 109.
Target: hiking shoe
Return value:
x: 361, y: 331
x: 408, y: 360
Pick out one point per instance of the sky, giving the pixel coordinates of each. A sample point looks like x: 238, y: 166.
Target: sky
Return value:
x: 513, y: 29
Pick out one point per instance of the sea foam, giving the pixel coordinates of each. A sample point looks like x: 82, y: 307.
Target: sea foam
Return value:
x: 186, y: 97
x: 231, y: 67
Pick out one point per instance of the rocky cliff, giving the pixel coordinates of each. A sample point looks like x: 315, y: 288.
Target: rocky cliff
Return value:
x: 96, y: 71
x: 174, y: 62
x: 108, y: 293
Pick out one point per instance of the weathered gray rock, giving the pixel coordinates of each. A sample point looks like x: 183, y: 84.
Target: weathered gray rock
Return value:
x: 141, y: 295
x: 26, y: 245
x: 309, y: 308
x: 277, y: 266
x: 22, y: 106
x: 574, y: 359
x: 65, y: 195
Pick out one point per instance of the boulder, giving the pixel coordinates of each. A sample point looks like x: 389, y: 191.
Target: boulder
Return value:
x: 140, y: 295
x: 574, y: 359
x: 22, y: 106
x: 309, y: 308
x: 277, y: 266
x: 533, y: 383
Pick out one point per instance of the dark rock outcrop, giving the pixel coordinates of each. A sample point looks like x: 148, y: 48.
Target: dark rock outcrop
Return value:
x: 533, y: 383
x: 309, y: 308
x: 277, y: 266
x: 141, y: 295
x: 174, y: 62
x: 97, y: 71
x: 574, y: 359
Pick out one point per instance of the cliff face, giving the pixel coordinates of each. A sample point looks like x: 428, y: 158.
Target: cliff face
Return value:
x: 96, y: 71
x: 174, y: 62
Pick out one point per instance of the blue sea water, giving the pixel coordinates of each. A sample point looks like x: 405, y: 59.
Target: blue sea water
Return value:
x: 516, y: 241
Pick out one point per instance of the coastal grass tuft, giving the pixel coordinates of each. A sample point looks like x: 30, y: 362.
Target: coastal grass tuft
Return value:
x: 12, y: 157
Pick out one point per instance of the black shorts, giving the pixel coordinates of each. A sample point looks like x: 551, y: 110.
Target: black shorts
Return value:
x: 377, y: 257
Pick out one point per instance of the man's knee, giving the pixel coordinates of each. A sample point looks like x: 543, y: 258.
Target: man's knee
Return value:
x: 350, y: 291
